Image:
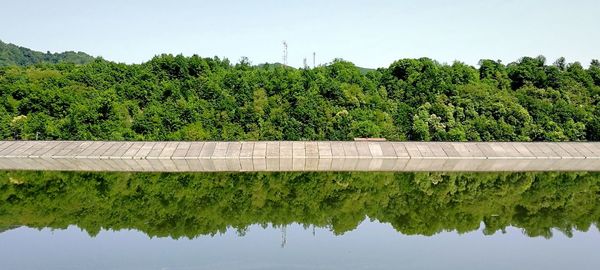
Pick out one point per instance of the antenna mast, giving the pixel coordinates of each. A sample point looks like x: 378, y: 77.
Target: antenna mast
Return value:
x: 285, y: 53
x: 283, y: 235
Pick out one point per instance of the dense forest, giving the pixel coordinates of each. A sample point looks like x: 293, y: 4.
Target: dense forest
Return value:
x: 11, y: 55
x: 193, y: 98
x: 193, y: 204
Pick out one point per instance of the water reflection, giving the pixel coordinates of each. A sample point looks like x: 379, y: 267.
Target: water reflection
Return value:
x: 189, y: 205
x: 371, y: 245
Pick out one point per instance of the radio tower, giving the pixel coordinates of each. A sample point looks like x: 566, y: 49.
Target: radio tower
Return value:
x: 285, y: 53
x: 314, y: 56
x: 283, y: 235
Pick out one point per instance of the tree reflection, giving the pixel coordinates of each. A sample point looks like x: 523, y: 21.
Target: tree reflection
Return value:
x: 194, y: 204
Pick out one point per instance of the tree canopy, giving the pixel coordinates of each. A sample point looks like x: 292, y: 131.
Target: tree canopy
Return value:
x: 194, y: 98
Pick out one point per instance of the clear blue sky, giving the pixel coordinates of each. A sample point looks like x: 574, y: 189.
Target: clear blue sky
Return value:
x: 368, y: 33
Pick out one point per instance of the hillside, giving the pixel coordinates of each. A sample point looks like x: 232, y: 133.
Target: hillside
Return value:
x: 364, y: 70
x: 272, y: 65
x: 194, y: 98
x: 13, y: 55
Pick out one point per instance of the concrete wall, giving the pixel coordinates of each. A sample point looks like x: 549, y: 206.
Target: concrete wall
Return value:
x: 298, y: 156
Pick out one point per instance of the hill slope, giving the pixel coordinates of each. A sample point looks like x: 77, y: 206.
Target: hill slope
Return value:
x: 364, y: 70
x: 13, y: 55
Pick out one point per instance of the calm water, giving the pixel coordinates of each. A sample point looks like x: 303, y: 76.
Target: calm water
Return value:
x: 53, y: 220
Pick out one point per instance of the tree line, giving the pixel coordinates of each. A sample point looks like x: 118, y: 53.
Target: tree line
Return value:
x: 194, y: 98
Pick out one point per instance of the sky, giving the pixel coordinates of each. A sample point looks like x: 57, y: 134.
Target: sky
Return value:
x: 368, y: 33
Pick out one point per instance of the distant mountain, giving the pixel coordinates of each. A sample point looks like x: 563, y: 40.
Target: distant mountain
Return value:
x: 4, y: 229
x: 13, y: 55
x: 277, y: 64
x: 271, y: 65
x: 365, y: 70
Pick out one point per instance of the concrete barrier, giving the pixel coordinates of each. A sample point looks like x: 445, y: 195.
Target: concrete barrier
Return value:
x: 299, y: 156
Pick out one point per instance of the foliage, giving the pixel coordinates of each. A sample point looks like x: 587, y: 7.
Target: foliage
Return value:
x: 193, y: 98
